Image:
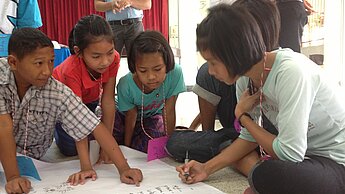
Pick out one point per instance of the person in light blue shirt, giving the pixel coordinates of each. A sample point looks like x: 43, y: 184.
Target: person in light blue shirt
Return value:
x: 125, y: 18
x: 147, y: 95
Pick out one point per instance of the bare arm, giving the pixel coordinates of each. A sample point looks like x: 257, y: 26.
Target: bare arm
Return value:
x: 108, y: 104
x: 141, y: 4
x: 110, y: 146
x: 207, y: 114
x: 262, y: 137
x: 170, y: 114
x: 196, y: 122
x: 131, y: 117
x: 232, y: 154
x: 15, y: 184
x: 83, y: 154
x: 102, y: 6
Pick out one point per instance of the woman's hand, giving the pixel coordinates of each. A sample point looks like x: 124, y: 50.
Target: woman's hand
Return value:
x: 247, y: 102
x: 192, y: 172
x: 131, y: 176
x: 80, y: 177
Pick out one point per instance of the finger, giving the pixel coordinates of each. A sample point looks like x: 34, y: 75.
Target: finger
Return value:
x: 24, y: 187
x: 94, y: 176
x: 75, y: 179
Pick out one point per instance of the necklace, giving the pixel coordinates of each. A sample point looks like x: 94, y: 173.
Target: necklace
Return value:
x: 142, y: 113
x: 98, y: 110
x: 263, y: 154
x: 26, y: 123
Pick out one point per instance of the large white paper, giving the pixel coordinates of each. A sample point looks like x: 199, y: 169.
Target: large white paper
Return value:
x: 159, y: 178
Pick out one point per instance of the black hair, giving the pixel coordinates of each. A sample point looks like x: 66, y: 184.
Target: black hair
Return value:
x: 89, y: 29
x: 267, y: 16
x: 24, y: 41
x: 150, y: 42
x: 232, y: 35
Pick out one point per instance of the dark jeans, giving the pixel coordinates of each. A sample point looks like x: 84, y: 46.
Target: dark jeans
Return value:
x: 125, y: 34
x: 201, y: 145
x: 66, y: 143
x: 293, y: 19
x: 315, y: 175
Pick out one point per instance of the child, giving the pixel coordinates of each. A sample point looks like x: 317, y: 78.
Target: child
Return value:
x: 31, y: 103
x: 219, y: 99
x: 308, y: 152
x: 147, y: 95
x: 91, y: 74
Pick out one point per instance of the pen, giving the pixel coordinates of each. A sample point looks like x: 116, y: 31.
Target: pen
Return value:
x: 186, y: 160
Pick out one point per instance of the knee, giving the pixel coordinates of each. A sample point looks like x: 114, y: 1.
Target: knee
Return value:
x: 246, y: 164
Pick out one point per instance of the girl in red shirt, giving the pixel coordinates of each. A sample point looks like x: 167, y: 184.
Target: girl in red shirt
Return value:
x: 91, y: 73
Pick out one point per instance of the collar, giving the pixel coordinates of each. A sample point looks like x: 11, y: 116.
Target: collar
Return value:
x: 85, y: 76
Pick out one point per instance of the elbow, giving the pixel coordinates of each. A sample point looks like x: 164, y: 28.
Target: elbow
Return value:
x: 148, y: 5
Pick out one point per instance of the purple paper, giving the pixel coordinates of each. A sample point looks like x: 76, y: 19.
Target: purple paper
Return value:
x: 156, y: 148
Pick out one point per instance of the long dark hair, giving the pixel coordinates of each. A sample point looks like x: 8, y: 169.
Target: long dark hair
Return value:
x: 89, y: 29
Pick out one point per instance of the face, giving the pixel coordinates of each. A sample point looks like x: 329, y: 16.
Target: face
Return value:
x: 34, y: 68
x: 99, y: 55
x: 217, y: 68
x: 151, y: 70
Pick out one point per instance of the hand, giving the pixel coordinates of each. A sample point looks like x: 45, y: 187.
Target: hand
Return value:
x: 308, y: 7
x: 132, y: 176
x: 80, y: 177
x: 104, y: 158
x: 247, y: 102
x: 18, y: 185
x: 192, y: 172
x: 119, y: 5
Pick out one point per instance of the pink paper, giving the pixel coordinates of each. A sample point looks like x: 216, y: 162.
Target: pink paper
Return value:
x: 156, y: 148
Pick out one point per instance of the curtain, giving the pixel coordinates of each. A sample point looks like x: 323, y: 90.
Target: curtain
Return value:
x: 157, y: 17
x: 59, y: 16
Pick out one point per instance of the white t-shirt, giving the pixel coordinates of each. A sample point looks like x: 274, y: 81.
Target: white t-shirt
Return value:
x: 306, y: 109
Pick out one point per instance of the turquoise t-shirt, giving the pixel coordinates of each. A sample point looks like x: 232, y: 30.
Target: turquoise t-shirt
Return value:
x: 130, y: 95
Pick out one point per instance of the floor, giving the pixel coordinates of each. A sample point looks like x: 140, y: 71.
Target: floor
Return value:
x: 226, y: 180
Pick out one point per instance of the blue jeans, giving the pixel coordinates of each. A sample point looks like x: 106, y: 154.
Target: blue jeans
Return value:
x: 66, y: 143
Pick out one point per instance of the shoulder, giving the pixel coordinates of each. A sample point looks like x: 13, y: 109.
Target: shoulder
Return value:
x: 71, y: 67
x: 58, y: 91
x: 126, y: 80
x: 177, y: 70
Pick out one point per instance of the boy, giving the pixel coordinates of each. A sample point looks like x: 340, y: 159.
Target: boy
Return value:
x: 31, y: 102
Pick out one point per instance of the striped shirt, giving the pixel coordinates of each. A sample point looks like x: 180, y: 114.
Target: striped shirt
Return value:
x: 39, y: 110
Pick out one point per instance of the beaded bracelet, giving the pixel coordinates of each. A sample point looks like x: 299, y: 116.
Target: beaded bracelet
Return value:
x: 243, y: 114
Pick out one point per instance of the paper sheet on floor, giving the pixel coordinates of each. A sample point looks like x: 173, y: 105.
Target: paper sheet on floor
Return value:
x: 159, y: 178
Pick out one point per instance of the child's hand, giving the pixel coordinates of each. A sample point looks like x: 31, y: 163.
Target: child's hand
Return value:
x: 103, y: 158
x: 18, y: 185
x: 247, y: 102
x: 80, y: 177
x: 132, y: 176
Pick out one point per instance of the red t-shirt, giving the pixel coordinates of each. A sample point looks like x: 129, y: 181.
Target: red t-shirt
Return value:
x: 73, y: 73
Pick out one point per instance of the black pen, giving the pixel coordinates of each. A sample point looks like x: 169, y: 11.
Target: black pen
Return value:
x: 186, y: 160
